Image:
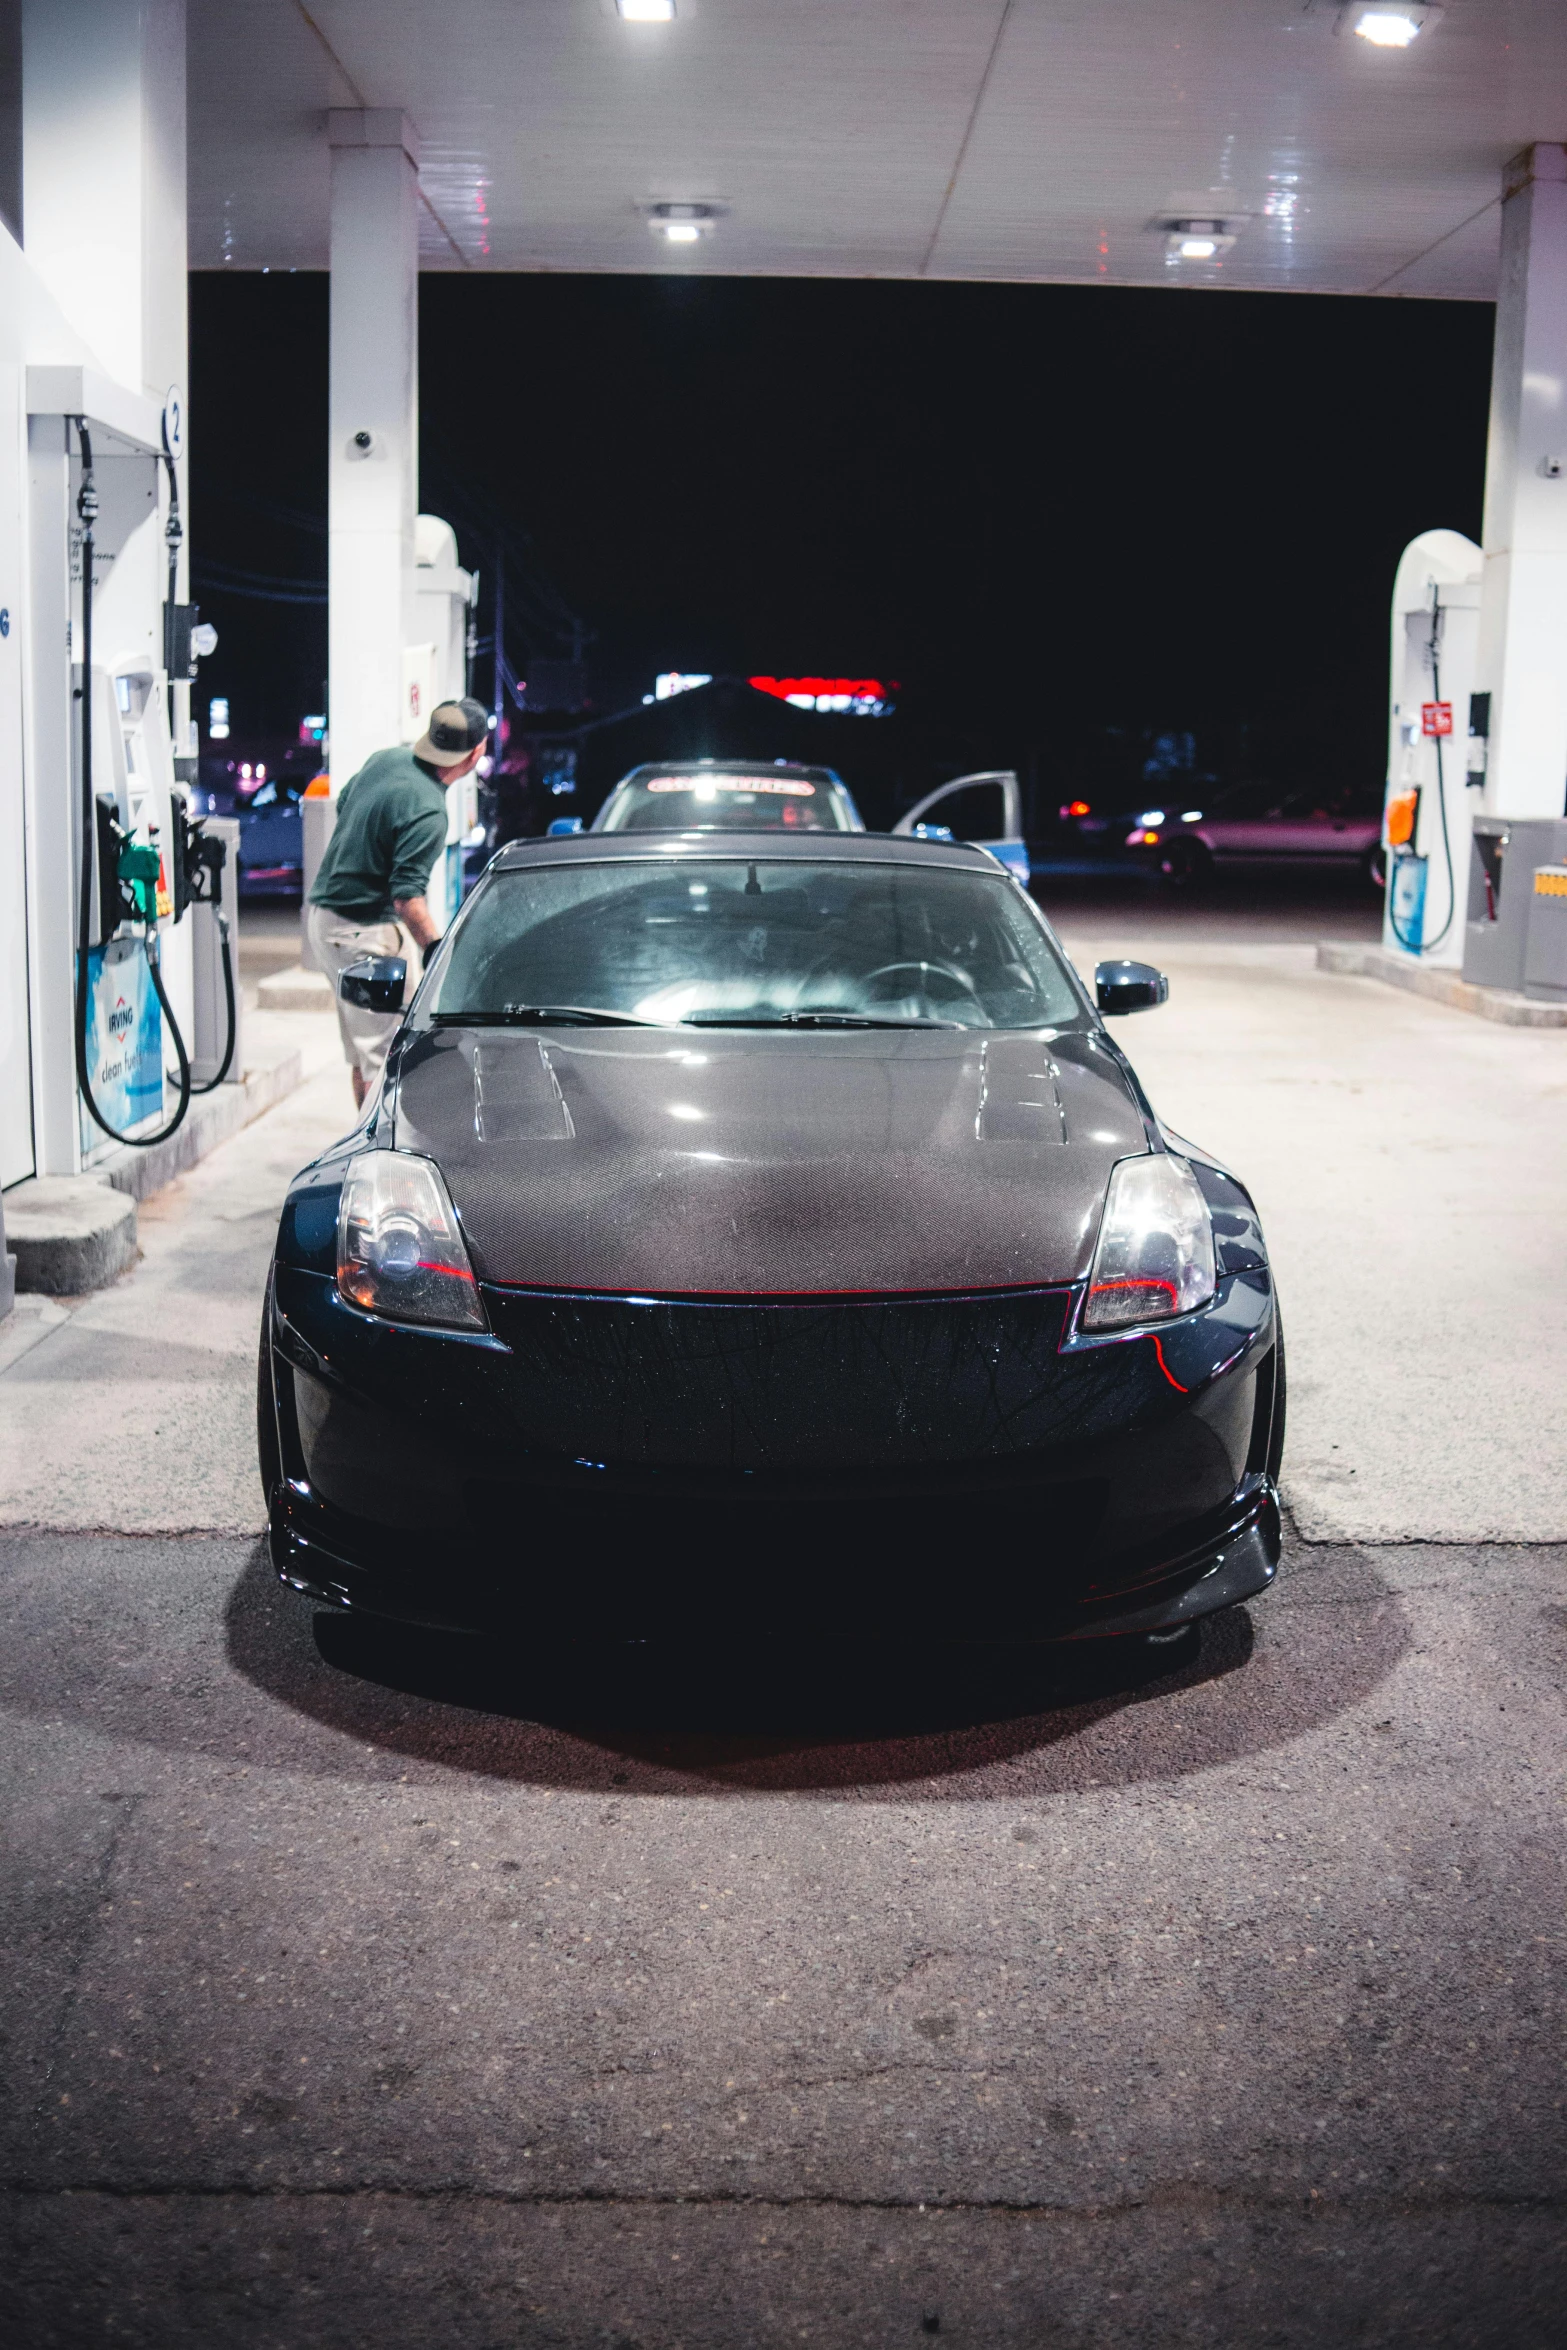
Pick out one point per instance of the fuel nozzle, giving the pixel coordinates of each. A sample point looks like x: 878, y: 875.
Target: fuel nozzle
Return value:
x: 139, y: 867
x: 199, y: 859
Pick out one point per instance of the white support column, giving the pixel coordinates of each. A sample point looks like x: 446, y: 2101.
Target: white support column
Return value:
x: 52, y: 817
x: 372, y: 469
x: 1523, y: 623
x: 103, y: 179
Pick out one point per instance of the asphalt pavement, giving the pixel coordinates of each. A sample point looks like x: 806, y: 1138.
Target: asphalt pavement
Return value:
x: 384, y: 1992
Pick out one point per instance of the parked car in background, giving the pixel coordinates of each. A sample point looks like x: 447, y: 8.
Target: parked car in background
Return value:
x: 1259, y: 824
x: 265, y: 796
x: 724, y: 795
x: 272, y: 840
x: 1095, y: 831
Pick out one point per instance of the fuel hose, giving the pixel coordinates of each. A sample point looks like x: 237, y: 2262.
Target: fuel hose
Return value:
x: 211, y: 1084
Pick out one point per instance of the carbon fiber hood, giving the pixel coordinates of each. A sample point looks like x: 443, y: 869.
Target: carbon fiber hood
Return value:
x: 745, y: 1163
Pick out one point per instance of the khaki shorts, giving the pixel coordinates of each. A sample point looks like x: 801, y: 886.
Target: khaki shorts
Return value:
x: 335, y: 942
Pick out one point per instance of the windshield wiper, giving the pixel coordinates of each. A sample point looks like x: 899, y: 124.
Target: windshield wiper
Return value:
x: 804, y: 1020
x: 542, y: 1016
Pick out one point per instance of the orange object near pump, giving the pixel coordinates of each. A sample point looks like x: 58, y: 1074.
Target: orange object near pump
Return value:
x: 318, y: 788
x: 1402, y: 810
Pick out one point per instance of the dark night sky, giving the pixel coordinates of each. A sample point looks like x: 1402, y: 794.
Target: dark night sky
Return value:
x: 1045, y: 510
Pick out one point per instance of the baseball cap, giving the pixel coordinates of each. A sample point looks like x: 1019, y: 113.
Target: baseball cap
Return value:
x: 455, y: 729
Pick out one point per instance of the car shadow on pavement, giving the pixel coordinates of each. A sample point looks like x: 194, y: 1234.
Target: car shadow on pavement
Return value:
x: 937, y: 1721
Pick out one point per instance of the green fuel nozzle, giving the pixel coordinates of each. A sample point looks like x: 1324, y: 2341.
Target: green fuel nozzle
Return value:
x: 138, y: 874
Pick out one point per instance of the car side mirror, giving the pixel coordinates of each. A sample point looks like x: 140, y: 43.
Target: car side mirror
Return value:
x: 375, y: 983
x: 1129, y: 987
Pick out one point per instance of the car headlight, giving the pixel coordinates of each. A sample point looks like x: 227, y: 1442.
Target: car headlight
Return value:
x: 1155, y: 1253
x: 399, y: 1249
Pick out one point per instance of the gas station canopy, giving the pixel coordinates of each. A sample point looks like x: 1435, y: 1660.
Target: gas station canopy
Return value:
x: 1070, y: 141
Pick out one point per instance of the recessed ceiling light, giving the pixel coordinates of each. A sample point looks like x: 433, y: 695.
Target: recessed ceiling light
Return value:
x: 681, y: 223
x: 1391, y: 24
x: 1197, y: 240
x: 646, y: 11
x: 1198, y: 233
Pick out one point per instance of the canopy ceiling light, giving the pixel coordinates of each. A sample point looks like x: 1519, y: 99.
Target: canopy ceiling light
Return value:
x: 1389, y: 24
x: 1199, y: 238
x: 1199, y: 225
x: 646, y: 11
x: 682, y: 223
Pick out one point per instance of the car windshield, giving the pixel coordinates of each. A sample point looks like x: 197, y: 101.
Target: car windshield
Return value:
x: 717, y: 800
x: 753, y: 942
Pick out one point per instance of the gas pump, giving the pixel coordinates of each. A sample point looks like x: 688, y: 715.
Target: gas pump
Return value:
x: 1427, y: 816
x: 142, y: 865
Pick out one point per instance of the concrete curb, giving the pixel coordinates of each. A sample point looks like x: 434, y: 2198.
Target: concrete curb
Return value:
x: 211, y: 1120
x: 1439, y: 985
x: 74, y: 1233
x: 70, y: 1233
x: 296, y: 990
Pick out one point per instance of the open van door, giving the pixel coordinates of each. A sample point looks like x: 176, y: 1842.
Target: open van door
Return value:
x: 986, y: 810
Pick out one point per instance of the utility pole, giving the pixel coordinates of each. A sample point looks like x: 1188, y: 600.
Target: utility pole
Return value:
x: 500, y: 652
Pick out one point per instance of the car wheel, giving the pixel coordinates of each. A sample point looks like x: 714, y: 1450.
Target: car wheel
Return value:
x: 268, y: 1453
x: 1186, y: 864
x: 1374, y: 866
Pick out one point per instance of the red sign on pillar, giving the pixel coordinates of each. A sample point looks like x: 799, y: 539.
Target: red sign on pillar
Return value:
x: 1436, y: 718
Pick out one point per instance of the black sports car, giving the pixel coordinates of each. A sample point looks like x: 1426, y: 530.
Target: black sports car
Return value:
x: 767, y: 1227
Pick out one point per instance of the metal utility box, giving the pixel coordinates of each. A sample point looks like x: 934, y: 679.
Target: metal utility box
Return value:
x: 1545, y: 963
x: 210, y: 1001
x: 318, y: 816
x: 1504, y: 853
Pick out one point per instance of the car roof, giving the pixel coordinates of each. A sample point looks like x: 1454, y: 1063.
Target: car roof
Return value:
x: 730, y: 767
x: 808, y: 848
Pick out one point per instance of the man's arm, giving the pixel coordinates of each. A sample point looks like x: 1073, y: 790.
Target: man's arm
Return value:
x: 414, y: 915
x: 418, y: 843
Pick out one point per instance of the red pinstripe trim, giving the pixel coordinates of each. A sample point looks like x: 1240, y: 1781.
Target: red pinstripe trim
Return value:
x: 773, y: 1296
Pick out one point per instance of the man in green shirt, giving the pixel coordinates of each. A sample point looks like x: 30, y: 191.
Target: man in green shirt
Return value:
x: 370, y: 887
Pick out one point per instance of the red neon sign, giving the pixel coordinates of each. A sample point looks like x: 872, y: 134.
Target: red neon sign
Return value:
x: 862, y: 695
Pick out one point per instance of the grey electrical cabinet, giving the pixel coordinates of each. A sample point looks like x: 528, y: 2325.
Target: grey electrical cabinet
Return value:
x: 318, y: 820
x: 210, y: 996
x: 1504, y: 854
x: 1545, y: 962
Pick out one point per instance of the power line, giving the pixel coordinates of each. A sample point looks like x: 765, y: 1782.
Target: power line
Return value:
x: 260, y: 587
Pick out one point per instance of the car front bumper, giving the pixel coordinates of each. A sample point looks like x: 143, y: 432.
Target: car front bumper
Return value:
x: 944, y: 1467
